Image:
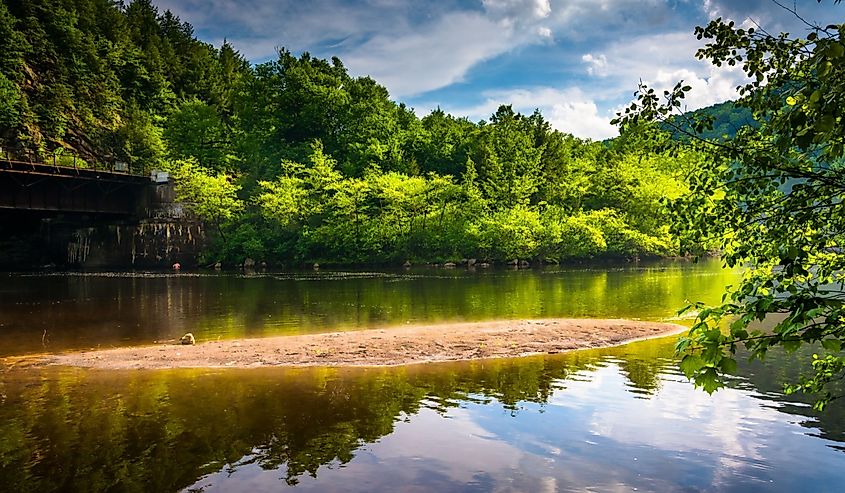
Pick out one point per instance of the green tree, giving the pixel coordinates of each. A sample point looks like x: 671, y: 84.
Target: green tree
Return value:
x: 508, y: 161
x: 212, y: 197
x: 771, y: 199
x: 196, y: 130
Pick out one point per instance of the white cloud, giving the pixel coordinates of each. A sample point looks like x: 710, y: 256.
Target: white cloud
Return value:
x: 660, y: 61
x: 596, y: 64
x: 518, y: 10
x: 568, y: 110
x: 439, y: 55
x: 299, y: 26
x: 708, y: 87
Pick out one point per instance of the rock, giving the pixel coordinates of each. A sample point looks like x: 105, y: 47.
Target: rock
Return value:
x: 513, y: 262
x: 483, y: 265
x: 316, y: 266
x: 449, y: 265
x: 471, y: 262
x: 187, y: 340
x: 218, y: 266
x: 524, y: 264
x: 407, y: 264
x: 263, y: 265
x: 249, y: 263
x: 464, y: 261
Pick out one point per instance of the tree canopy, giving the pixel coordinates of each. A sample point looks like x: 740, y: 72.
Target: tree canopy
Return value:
x: 769, y: 199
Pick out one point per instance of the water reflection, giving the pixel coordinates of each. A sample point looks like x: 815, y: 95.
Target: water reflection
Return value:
x: 618, y: 418
x: 56, y: 312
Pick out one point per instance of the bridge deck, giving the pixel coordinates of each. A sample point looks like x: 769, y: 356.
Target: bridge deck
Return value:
x: 45, y: 187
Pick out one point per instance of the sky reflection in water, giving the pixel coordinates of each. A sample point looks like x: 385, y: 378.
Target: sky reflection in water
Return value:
x: 591, y: 433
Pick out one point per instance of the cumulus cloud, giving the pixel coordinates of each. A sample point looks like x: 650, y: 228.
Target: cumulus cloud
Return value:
x: 518, y: 10
x: 431, y: 58
x: 596, y: 64
x: 569, y: 110
x: 660, y: 61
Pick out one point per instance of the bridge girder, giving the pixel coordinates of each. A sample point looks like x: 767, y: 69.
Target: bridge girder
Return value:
x: 46, y: 188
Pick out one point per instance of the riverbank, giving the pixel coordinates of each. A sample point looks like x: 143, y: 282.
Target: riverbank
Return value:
x: 376, y: 347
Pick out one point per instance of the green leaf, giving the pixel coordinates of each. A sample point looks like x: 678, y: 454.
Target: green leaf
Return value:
x: 709, y: 380
x: 728, y: 365
x: 690, y: 364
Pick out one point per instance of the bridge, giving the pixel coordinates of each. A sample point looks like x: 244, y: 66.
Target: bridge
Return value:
x: 45, y: 188
x: 92, y: 218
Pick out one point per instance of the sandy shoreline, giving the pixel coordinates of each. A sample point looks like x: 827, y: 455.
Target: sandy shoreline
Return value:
x: 377, y: 347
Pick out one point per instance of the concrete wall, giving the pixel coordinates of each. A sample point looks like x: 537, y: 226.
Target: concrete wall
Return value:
x: 163, y: 233
x: 148, y: 245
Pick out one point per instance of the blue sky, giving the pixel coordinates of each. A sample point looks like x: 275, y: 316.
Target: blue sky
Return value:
x: 577, y: 61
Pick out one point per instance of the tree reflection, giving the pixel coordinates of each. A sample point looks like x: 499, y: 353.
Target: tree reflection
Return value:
x: 75, y: 430
x: 82, y: 430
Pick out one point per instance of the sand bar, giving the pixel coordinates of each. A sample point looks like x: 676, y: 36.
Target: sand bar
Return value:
x: 376, y: 347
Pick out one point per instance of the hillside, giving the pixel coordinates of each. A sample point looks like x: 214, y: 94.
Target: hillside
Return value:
x: 724, y: 121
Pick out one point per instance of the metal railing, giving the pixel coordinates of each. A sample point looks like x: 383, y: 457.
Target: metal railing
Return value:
x: 67, y: 161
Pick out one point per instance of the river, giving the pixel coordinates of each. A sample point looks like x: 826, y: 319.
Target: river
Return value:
x: 612, y: 419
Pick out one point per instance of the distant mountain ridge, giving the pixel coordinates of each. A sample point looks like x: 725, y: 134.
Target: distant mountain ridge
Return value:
x: 727, y: 119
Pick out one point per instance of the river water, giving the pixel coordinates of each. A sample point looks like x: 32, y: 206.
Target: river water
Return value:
x: 615, y: 419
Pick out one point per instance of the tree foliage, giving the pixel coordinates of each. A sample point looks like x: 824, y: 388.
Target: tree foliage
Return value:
x: 769, y: 198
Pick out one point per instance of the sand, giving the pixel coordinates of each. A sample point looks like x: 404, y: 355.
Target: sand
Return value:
x: 376, y: 347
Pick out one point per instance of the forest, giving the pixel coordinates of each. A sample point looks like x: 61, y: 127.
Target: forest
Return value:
x: 295, y: 161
